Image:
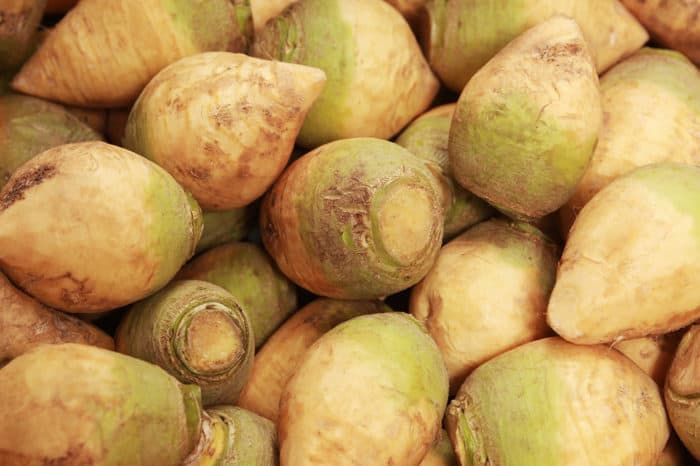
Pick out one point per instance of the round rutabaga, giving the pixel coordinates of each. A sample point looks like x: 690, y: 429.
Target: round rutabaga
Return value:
x: 526, y: 124
x: 682, y: 389
x: 654, y: 88
x: 354, y: 219
x: 198, y: 332
x: 652, y: 354
x: 426, y: 137
x: 371, y: 391
x: 378, y: 79
x: 486, y: 293
x: 232, y: 436
x: 29, y: 126
x: 630, y: 263
x: 441, y: 453
x: 88, y: 227
x: 248, y: 273
x: 124, y: 44
x: 223, y: 124
x: 553, y: 403
x: 278, y: 359
x: 225, y: 226
x: 77, y: 405
x: 460, y: 36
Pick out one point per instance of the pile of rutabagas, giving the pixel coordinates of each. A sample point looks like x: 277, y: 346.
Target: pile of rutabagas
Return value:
x: 349, y: 232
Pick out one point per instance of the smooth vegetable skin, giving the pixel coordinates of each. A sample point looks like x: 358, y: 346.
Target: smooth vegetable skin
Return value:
x: 19, y: 25
x: 371, y: 391
x: 107, y: 227
x: 248, y: 273
x: 26, y: 323
x: 357, y: 218
x: 553, y: 403
x: 278, y: 359
x: 123, y: 44
x: 526, y: 124
x: 198, y: 332
x: 629, y: 265
x: 460, y: 36
x: 441, y: 454
x: 225, y: 226
x: 77, y: 404
x: 29, y: 126
x: 378, y: 79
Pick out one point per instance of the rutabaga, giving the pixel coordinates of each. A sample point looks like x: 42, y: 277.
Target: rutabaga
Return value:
x: 106, y: 227
x: 198, y: 332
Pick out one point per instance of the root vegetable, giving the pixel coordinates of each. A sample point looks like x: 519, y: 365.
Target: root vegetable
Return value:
x: 682, y: 389
x: 460, y: 36
x: 264, y: 10
x: 526, y: 124
x: 654, y: 88
x: 124, y: 44
x: 77, y: 404
x: 105, y: 227
x: 441, y: 454
x: 486, y: 293
x: 235, y: 437
x: 357, y: 218
x: 225, y: 226
x: 408, y: 8
x: 553, y: 403
x: 223, y: 124
x: 59, y: 6
x: 652, y: 354
x: 378, y: 79
x: 248, y: 273
x: 629, y: 265
x: 19, y: 24
x: 426, y: 137
x: 25, y: 323
x: 370, y: 391
x: 278, y: 359
x: 671, y: 23
x: 29, y: 126
x: 673, y: 453
x: 198, y: 332
x: 95, y: 118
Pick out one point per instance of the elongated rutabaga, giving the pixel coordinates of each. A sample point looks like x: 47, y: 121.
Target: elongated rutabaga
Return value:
x: 198, y: 332
x: 553, y: 403
x: 526, y: 124
x: 357, y: 218
x: 378, y: 79
x: 107, y: 227
x: 124, y: 44
x: 278, y: 359
x: 247, y: 272
x: 76, y: 404
x: 223, y: 124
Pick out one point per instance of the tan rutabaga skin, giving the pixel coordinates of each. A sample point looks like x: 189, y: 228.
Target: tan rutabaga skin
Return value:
x: 124, y: 44
x: 371, y: 391
x: 460, y: 36
x: 378, y: 79
x: 95, y: 118
x: 107, y: 227
x: 652, y: 354
x: 553, y: 403
x: 486, y: 293
x: 225, y: 226
x: 73, y: 404
x: 278, y: 359
x: 673, y: 454
x: 29, y: 126
x: 682, y: 389
x: 672, y: 23
x: 408, y: 8
x: 426, y: 137
x: 247, y: 272
x: 651, y: 105
x: 526, y: 124
x: 198, y: 332
x: 264, y: 10
x: 59, y: 6
x: 630, y: 264
x: 26, y: 323
x: 441, y: 453
x: 19, y: 25
x: 356, y: 218
x: 223, y: 124
x: 232, y: 436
